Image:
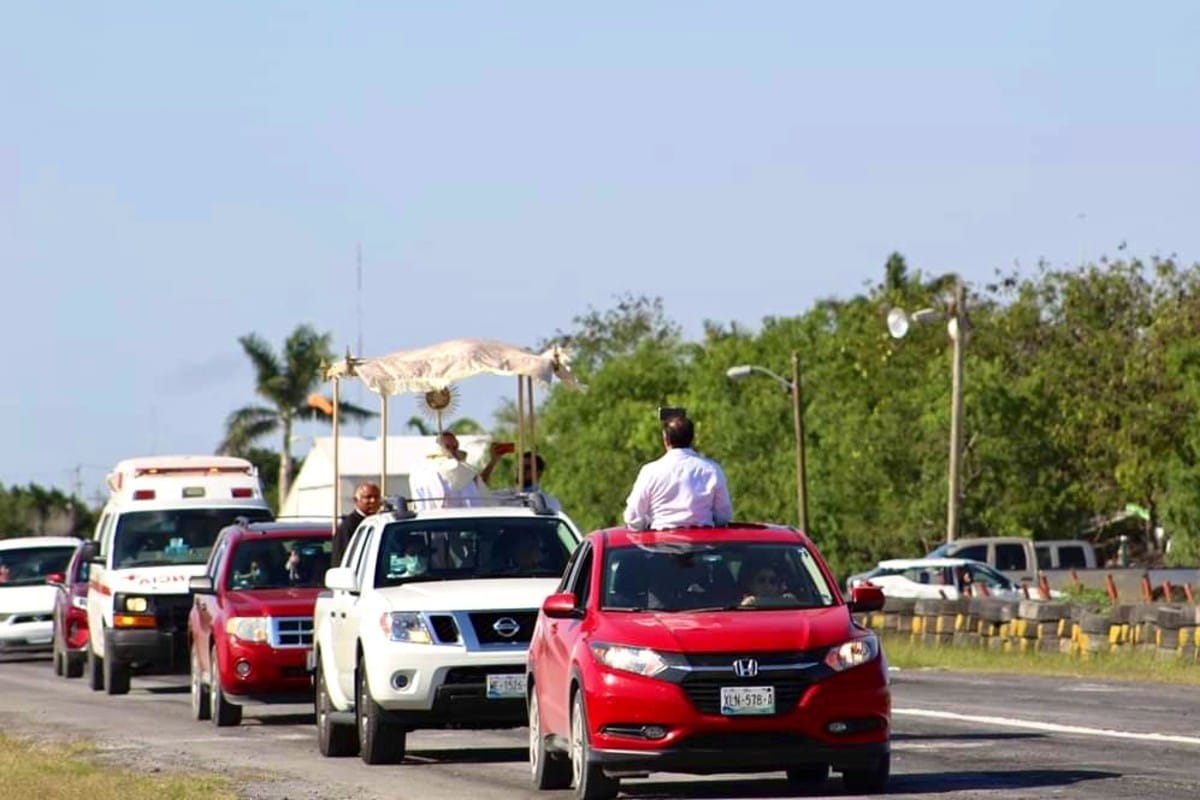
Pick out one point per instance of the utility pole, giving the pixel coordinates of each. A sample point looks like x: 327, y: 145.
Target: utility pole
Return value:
x: 798, y: 424
x: 358, y: 311
x: 958, y: 333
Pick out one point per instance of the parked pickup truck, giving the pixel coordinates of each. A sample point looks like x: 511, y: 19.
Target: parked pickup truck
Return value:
x: 428, y: 619
x: 1062, y: 562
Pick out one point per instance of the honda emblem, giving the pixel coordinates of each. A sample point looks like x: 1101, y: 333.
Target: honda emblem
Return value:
x: 745, y: 668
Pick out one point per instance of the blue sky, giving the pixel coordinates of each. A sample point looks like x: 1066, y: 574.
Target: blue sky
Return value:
x: 172, y: 178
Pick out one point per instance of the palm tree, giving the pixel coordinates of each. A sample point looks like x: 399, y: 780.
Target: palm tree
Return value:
x: 287, y: 381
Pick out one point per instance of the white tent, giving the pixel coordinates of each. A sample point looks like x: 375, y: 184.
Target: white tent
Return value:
x: 311, y: 493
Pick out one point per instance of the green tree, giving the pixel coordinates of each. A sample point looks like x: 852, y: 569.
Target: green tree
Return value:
x: 287, y: 381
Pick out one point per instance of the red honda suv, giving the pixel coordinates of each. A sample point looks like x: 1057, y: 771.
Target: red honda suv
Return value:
x: 705, y: 651
x: 70, y: 616
x: 250, y: 627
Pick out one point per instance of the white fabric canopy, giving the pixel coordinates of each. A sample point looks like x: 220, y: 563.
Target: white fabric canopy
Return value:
x: 439, y: 365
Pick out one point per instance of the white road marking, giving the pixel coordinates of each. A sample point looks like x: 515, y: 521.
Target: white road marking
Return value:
x: 1049, y: 727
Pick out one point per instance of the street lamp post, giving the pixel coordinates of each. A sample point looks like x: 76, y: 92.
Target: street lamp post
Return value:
x: 899, y: 322
x: 792, y: 387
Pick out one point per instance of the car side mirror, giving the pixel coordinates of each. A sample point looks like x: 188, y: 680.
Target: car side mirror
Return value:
x: 561, y: 606
x: 90, y: 551
x: 865, y: 598
x: 342, y: 579
x: 200, y: 584
x: 56, y: 579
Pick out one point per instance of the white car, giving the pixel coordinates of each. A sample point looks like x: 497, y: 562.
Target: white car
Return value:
x: 427, y: 622
x: 949, y: 578
x: 26, y: 596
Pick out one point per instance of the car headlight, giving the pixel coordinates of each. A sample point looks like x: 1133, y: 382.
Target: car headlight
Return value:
x: 405, y: 626
x: 79, y: 602
x: 131, y: 603
x: 249, y: 629
x: 638, y: 660
x: 853, y: 653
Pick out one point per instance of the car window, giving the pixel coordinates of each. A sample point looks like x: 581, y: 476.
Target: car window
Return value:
x: 981, y: 573
x: 472, y: 548
x: 1043, y: 556
x: 29, y: 566
x: 1011, y: 557
x: 350, y: 559
x: 1071, y: 556
x: 294, y: 562
x: 173, y: 536
x: 713, y: 574
x: 975, y: 552
x: 571, y: 562
x: 581, y: 585
x: 214, y: 564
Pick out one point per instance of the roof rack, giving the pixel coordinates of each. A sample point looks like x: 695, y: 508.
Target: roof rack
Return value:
x: 408, y: 507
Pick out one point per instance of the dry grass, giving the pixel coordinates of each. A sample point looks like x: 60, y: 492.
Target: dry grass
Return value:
x: 902, y: 652
x: 58, y: 771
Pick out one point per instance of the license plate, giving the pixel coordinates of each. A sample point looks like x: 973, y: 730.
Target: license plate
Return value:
x: 502, y: 687
x: 747, y: 700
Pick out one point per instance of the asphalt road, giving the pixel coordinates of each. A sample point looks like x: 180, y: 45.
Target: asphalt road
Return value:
x: 954, y: 736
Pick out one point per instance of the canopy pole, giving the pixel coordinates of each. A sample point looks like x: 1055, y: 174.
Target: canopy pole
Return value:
x: 520, y: 432
x: 533, y: 477
x: 383, y: 437
x: 337, y: 473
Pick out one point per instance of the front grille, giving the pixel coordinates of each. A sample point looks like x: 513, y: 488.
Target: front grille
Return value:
x: 772, y: 659
x: 291, y: 632
x: 478, y: 675
x: 171, y: 611
x: 704, y: 689
x: 444, y: 628
x: 485, y: 624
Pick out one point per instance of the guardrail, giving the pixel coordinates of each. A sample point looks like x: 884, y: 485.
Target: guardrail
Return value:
x: 1168, y: 630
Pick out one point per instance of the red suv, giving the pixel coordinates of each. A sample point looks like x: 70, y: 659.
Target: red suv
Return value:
x: 70, y: 616
x: 250, y: 627
x: 705, y: 651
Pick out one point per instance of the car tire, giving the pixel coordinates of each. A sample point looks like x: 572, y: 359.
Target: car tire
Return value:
x: 589, y: 779
x: 870, y: 779
x: 548, y: 770
x: 116, y: 673
x: 200, y: 699
x: 379, y: 742
x: 95, y: 670
x: 333, y: 740
x: 73, y: 664
x: 224, y: 714
x: 56, y: 656
x: 808, y: 775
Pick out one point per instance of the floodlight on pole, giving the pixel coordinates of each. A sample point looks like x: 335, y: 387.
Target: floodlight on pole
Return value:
x: 792, y: 387
x: 898, y: 323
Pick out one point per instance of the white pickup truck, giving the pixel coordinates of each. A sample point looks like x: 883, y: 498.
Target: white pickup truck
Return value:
x: 427, y: 622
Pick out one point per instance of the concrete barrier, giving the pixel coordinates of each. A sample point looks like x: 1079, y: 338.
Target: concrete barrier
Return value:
x: 1165, y: 630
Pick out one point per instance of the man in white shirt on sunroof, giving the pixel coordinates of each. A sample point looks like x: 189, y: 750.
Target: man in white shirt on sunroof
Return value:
x: 682, y: 489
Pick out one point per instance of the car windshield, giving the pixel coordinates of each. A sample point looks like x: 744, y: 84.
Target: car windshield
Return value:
x: 280, y: 563
x: 173, y: 536
x: 725, y: 575
x: 483, y: 547
x: 29, y: 566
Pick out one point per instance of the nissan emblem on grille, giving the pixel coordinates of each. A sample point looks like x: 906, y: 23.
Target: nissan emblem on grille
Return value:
x: 743, y: 667
x: 508, y: 627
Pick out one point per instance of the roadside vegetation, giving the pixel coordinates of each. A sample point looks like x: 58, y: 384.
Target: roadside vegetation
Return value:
x: 69, y: 771
x: 1132, y: 666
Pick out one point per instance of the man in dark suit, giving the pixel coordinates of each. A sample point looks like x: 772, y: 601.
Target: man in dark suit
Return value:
x: 366, y: 503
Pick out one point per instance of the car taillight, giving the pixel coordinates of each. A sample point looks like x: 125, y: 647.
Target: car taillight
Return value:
x: 243, y: 491
x: 143, y: 494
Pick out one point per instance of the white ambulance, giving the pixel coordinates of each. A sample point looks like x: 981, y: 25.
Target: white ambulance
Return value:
x: 156, y: 531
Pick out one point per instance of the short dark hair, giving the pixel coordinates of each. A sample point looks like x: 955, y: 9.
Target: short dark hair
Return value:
x: 538, y: 460
x: 679, y: 431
